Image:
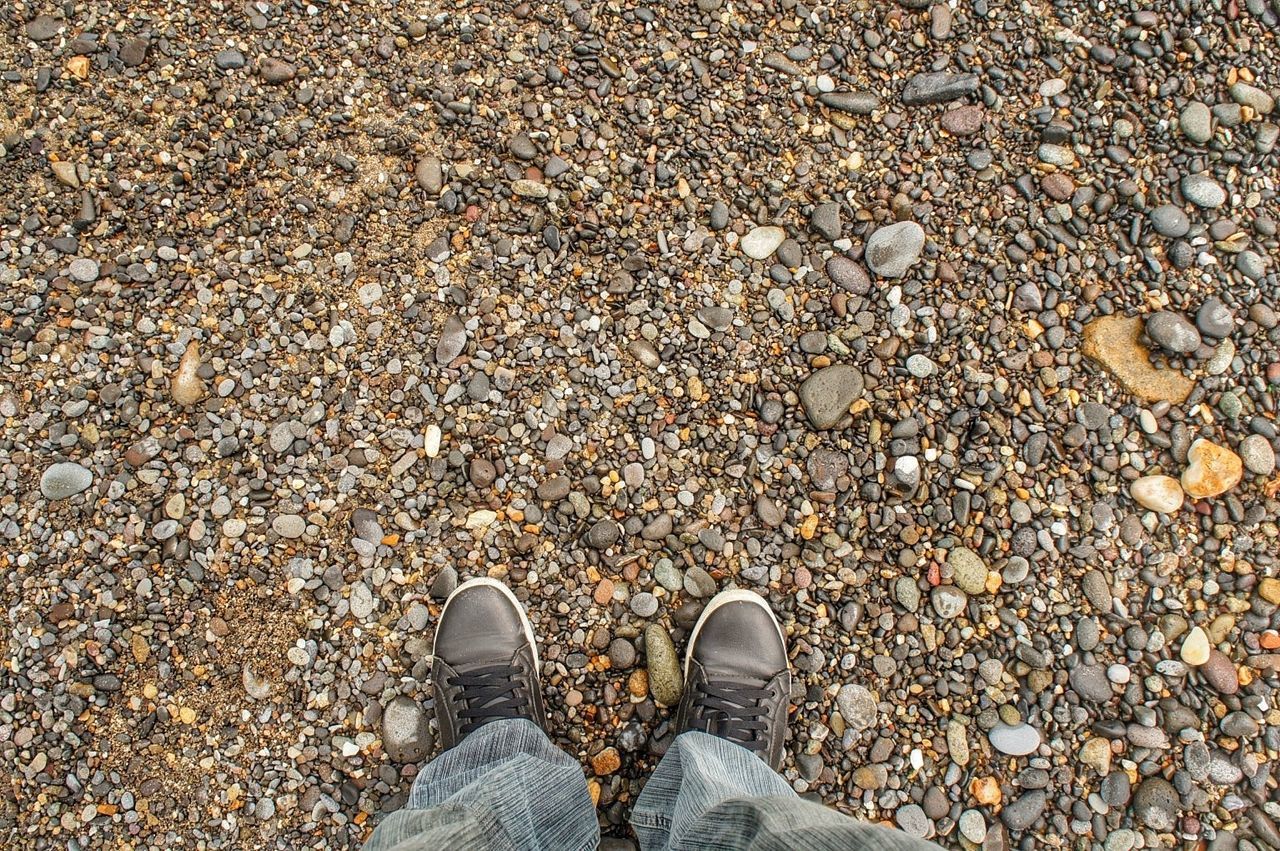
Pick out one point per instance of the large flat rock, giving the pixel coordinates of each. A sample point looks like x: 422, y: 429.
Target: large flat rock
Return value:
x: 1112, y: 341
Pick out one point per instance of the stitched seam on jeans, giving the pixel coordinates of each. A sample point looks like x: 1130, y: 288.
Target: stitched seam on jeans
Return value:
x: 655, y: 820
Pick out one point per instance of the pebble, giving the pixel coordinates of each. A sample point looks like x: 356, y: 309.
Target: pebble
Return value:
x: 1157, y: 493
x: 1112, y: 341
x: 1018, y: 740
x: 920, y: 366
x: 522, y: 147
x: 958, y: 743
x: 828, y: 393
x: 1257, y: 455
x: 362, y: 601
x: 84, y: 269
x: 429, y: 174
x: 698, y: 583
x: 65, y: 173
x: 857, y: 706
x: 1173, y: 332
x: 913, y: 821
x: 1214, y: 319
x: 938, y: 87
x: 948, y: 602
x: 603, y: 535
x: 1097, y: 590
x: 1170, y: 221
x: 1253, y: 97
x: 969, y: 570
x: 1203, y: 191
x: 524, y: 188
x: 186, y: 387
x: 666, y: 682
x: 854, y: 103
x: 761, y: 242
x: 964, y: 120
x: 1096, y: 753
x: 1195, y: 647
x: 907, y: 593
x: 606, y: 762
x: 289, y: 525
x: 1056, y: 155
x: 1196, y: 122
x: 44, y: 27
x: 719, y: 216
x: 1211, y: 470
x: 848, y: 275
x: 406, y: 732
x: 894, y: 249
x: 1022, y: 812
x: 973, y: 826
x: 644, y: 604
x: 825, y: 221
x: 1091, y: 682
x: 229, y: 59
x: 1219, y: 672
x: 64, y: 480
x: 276, y: 71
x: 1155, y: 804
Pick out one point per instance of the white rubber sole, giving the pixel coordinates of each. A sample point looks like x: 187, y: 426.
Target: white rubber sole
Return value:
x: 733, y: 595
x: 493, y: 583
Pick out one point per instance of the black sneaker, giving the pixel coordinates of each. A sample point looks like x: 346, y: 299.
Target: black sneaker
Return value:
x: 485, y: 665
x: 737, y: 683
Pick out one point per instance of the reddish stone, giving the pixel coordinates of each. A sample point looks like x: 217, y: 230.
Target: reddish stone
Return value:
x: 1058, y: 186
x: 1220, y: 673
x: 606, y: 762
x: 963, y: 120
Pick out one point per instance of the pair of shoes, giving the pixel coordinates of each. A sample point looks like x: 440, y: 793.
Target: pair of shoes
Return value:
x: 736, y: 679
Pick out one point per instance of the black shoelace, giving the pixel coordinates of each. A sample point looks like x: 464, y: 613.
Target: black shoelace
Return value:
x: 491, y: 693
x: 732, y: 711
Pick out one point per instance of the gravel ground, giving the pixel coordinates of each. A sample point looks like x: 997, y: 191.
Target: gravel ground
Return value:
x: 950, y: 327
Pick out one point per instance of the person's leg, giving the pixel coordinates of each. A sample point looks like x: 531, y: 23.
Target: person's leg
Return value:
x: 717, y: 787
x: 709, y: 793
x: 500, y: 783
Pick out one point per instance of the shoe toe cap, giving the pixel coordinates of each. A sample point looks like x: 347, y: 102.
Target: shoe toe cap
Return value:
x: 741, y: 639
x: 479, y: 625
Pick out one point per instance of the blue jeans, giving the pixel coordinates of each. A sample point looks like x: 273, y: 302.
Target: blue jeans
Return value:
x: 506, y: 787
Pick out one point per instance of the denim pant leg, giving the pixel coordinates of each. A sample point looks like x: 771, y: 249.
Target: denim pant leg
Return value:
x: 505, y: 787
x: 709, y: 794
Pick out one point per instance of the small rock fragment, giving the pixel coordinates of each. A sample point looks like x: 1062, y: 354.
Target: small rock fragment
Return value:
x: 65, y: 173
x: 276, y: 71
x: 761, y: 242
x: 1018, y: 740
x: 64, y: 479
x: 186, y: 386
x: 1195, y: 647
x: 827, y: 394
x: 406, y: 731
x: 892, y: 250
x: 938, y: 87
x: 857, y: 706
x: 1212, y: 470
x: 1257, y: 455
x: 429, y: 175
x: 665, y: 680
x: 1157, y: 493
